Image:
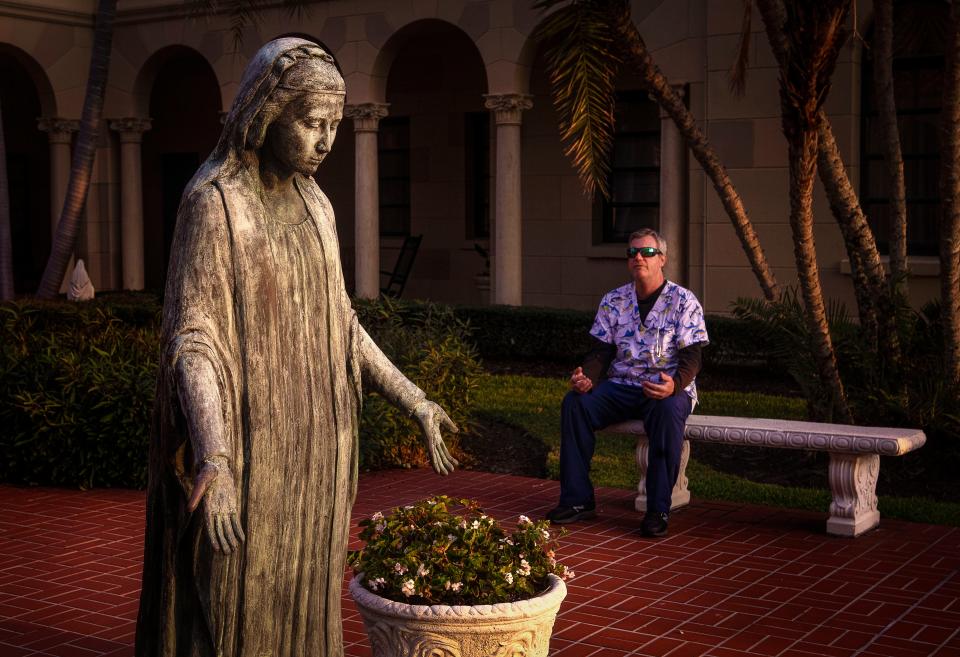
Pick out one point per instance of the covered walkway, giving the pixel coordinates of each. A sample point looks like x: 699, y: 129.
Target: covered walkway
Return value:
x: 730, y: 580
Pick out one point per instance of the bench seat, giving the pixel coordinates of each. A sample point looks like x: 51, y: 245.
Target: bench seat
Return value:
x: 854, y: 458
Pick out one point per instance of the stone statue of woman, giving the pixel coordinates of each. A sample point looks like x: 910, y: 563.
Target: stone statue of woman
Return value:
x: 253, y: 462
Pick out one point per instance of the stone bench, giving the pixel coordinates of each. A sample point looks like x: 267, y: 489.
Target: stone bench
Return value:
x: 854, y: 458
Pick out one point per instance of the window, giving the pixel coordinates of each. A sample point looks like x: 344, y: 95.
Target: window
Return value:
x: 918, y: 47
x: 634, y: 181
x: 476, y: 151
x: 393, y: 153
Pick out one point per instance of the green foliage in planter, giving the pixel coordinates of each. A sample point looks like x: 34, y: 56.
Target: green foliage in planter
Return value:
x: 446, y: 551
x: 432, y: 347
x: 76, y: 392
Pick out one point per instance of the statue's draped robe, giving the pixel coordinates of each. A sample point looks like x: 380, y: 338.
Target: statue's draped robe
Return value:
x: 264, y: 302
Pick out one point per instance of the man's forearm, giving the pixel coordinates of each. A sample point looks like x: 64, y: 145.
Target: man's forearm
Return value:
x: 598, y: 359
x: 690, y: 360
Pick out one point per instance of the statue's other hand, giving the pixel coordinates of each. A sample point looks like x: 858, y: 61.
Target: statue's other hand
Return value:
x: 214, y: 486
x: 431, y: 418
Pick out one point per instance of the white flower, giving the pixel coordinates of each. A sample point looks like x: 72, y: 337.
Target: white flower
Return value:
x: 451, y: 538
x: 377, y: 583
x: 568, y: 573
x: 463, y: 523
x: 524, y: 568
x: 422, y: 571
x: 376, y: 517
x: 509, y: 578
x: 508, y: 541
x: 524, y: 520
x: 407, y: 589
x: 456, y: 586
x: 545, y: 534
x: 380, y: 526
x: 475, y: 524
x: 399, y: 568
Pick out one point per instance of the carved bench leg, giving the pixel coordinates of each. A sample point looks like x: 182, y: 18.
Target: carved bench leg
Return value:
x: 853, y: 482
x: 680, y: 496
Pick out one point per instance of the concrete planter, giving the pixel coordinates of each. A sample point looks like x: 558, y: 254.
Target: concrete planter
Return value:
x: 509, y: 629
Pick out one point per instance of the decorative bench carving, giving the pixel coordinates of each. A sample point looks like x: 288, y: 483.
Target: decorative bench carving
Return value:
x: 854, y: 458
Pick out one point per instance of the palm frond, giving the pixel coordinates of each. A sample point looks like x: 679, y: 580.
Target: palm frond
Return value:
x: 582, y: 63
x: 738, y: 71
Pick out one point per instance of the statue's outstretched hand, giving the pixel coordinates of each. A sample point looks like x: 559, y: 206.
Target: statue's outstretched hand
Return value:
x: 214, y: 486
x: 431, y: 417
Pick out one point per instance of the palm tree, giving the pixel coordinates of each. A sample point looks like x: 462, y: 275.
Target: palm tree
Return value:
x: 81, y: 166
x: 892, y: 155
x: 586, y: 41
x: 875, y: 299
x: 814, y: 33
x: 6, y: 248
x: 950, y: 199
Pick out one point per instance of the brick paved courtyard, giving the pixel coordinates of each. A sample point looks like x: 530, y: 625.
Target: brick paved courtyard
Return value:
x: 730, y: 580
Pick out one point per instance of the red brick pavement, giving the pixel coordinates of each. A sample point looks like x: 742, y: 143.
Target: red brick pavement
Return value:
x: 730, y: 580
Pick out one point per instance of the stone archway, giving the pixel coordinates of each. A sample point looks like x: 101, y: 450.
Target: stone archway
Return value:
x: 184, y: 104
x: 25, y: 99
x: 434, y: 157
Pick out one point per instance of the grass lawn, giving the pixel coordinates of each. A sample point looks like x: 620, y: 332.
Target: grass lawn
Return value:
x: 533, y: 404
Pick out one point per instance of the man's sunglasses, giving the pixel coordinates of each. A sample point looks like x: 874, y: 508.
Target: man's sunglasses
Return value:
x: 645, y: 251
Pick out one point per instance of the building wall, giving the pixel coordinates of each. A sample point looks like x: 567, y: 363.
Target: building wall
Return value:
x: 433, y: 61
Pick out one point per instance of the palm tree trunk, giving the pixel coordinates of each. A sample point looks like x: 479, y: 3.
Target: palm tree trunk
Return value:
x: 659, y: 87
x: 892, y: 157
x: 813, y: 34
x: 950, y: 200
x: 875, y: 307
x: 81, y: 166
x: 6, y: 246
x: 803, y: 160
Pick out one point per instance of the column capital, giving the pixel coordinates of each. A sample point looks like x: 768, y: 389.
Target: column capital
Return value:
x: 507, y: 107
x: 366, y: 116
x: 59, y: 130
x: 131, y: 128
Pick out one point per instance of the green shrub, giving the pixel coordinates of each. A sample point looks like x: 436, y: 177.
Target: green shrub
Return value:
x: 432, y: 347
x: 77, y: 392
x: 527, y: 333
x: 77, y: 386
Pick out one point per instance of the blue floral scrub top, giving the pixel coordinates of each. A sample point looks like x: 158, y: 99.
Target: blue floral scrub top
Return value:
x: 645, y: 350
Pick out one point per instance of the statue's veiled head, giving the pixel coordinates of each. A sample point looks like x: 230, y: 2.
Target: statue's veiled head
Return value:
x: 288, y: 106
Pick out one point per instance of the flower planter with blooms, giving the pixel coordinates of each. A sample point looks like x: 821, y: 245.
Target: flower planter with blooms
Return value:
x: 442, y: 578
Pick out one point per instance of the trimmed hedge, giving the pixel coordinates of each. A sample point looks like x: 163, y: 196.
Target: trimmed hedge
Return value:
x: 77, y: 386
x: 562, y: 336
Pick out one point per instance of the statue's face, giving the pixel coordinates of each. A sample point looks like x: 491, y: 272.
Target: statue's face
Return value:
x: 303, y: 134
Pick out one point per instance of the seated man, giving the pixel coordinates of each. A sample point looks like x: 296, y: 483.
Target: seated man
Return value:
x: 648, y: 338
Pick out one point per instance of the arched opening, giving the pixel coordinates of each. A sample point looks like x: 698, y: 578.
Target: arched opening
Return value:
x: 434, y: 158
x: 28, y: 169
x: 919, y: 42
x: 184, y: 105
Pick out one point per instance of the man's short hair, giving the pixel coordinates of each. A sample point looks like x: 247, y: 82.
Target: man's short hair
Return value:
x: 649, y: 232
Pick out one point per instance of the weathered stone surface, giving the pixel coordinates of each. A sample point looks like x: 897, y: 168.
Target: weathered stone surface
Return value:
x: 508, y: 629
x: 253, y: 462
x: 854, y: 458
x: 80, y: 287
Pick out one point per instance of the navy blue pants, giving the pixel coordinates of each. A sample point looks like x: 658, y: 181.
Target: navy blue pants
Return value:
x: 609, y: 403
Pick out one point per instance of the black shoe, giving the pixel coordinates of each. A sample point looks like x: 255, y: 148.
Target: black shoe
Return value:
x: 563, y: 515
x: 654, y: 525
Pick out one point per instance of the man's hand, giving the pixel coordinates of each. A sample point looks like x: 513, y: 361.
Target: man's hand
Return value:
x: 580, y: 382
x: 214, y: 485
x: 431, y: 417
x: 660, y: 390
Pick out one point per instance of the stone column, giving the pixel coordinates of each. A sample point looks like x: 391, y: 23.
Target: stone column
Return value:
x: 507, y: 228
x: 131, y: 199
x: 673, y: 194
x: 60, y: 135
x: 366, y: 117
